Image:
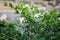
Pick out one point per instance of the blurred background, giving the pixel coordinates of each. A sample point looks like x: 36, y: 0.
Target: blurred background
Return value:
x: 52, y: 3
x: 44, y: 5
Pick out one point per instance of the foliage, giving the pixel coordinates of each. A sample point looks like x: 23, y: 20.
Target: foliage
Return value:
x: 5, y: 3
x: 34, y: 25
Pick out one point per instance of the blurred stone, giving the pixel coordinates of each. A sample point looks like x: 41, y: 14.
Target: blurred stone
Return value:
x: 42, y: 8
x: 57, y: 2
x: 45, y: 8
x: 9, y: 19
x: 21, y: 19
x: 9, y: 16
x: 58, y: 7
x: 48, y: 7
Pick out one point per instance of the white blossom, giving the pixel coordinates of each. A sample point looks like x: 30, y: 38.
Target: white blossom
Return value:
x: 3, y: 17
x: 58, y: 18
x: 21, y: 19
x: 36, y: 17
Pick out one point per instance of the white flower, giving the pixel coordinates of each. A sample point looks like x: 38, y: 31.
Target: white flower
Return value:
x: 21, y: 19
x: 20, y: 11
x: 36, y: 17
x: 3, y: 17
x: 58, y: 18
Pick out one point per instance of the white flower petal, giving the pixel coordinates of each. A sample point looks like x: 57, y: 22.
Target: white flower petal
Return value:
x: 3, y: 17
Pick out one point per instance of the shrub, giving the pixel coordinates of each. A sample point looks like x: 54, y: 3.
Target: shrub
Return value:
x: 34, y: 24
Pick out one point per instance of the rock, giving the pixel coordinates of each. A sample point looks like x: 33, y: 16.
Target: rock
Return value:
x: 45, y: 8
x: 9, y: 19
x: 41, y: 8
x: 58, y: 8
x: 9, y: 16
x: 57, y: 2
x: 48, y: 7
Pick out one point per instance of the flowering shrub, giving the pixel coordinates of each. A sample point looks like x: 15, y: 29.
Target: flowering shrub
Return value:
x: 34, y: 24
